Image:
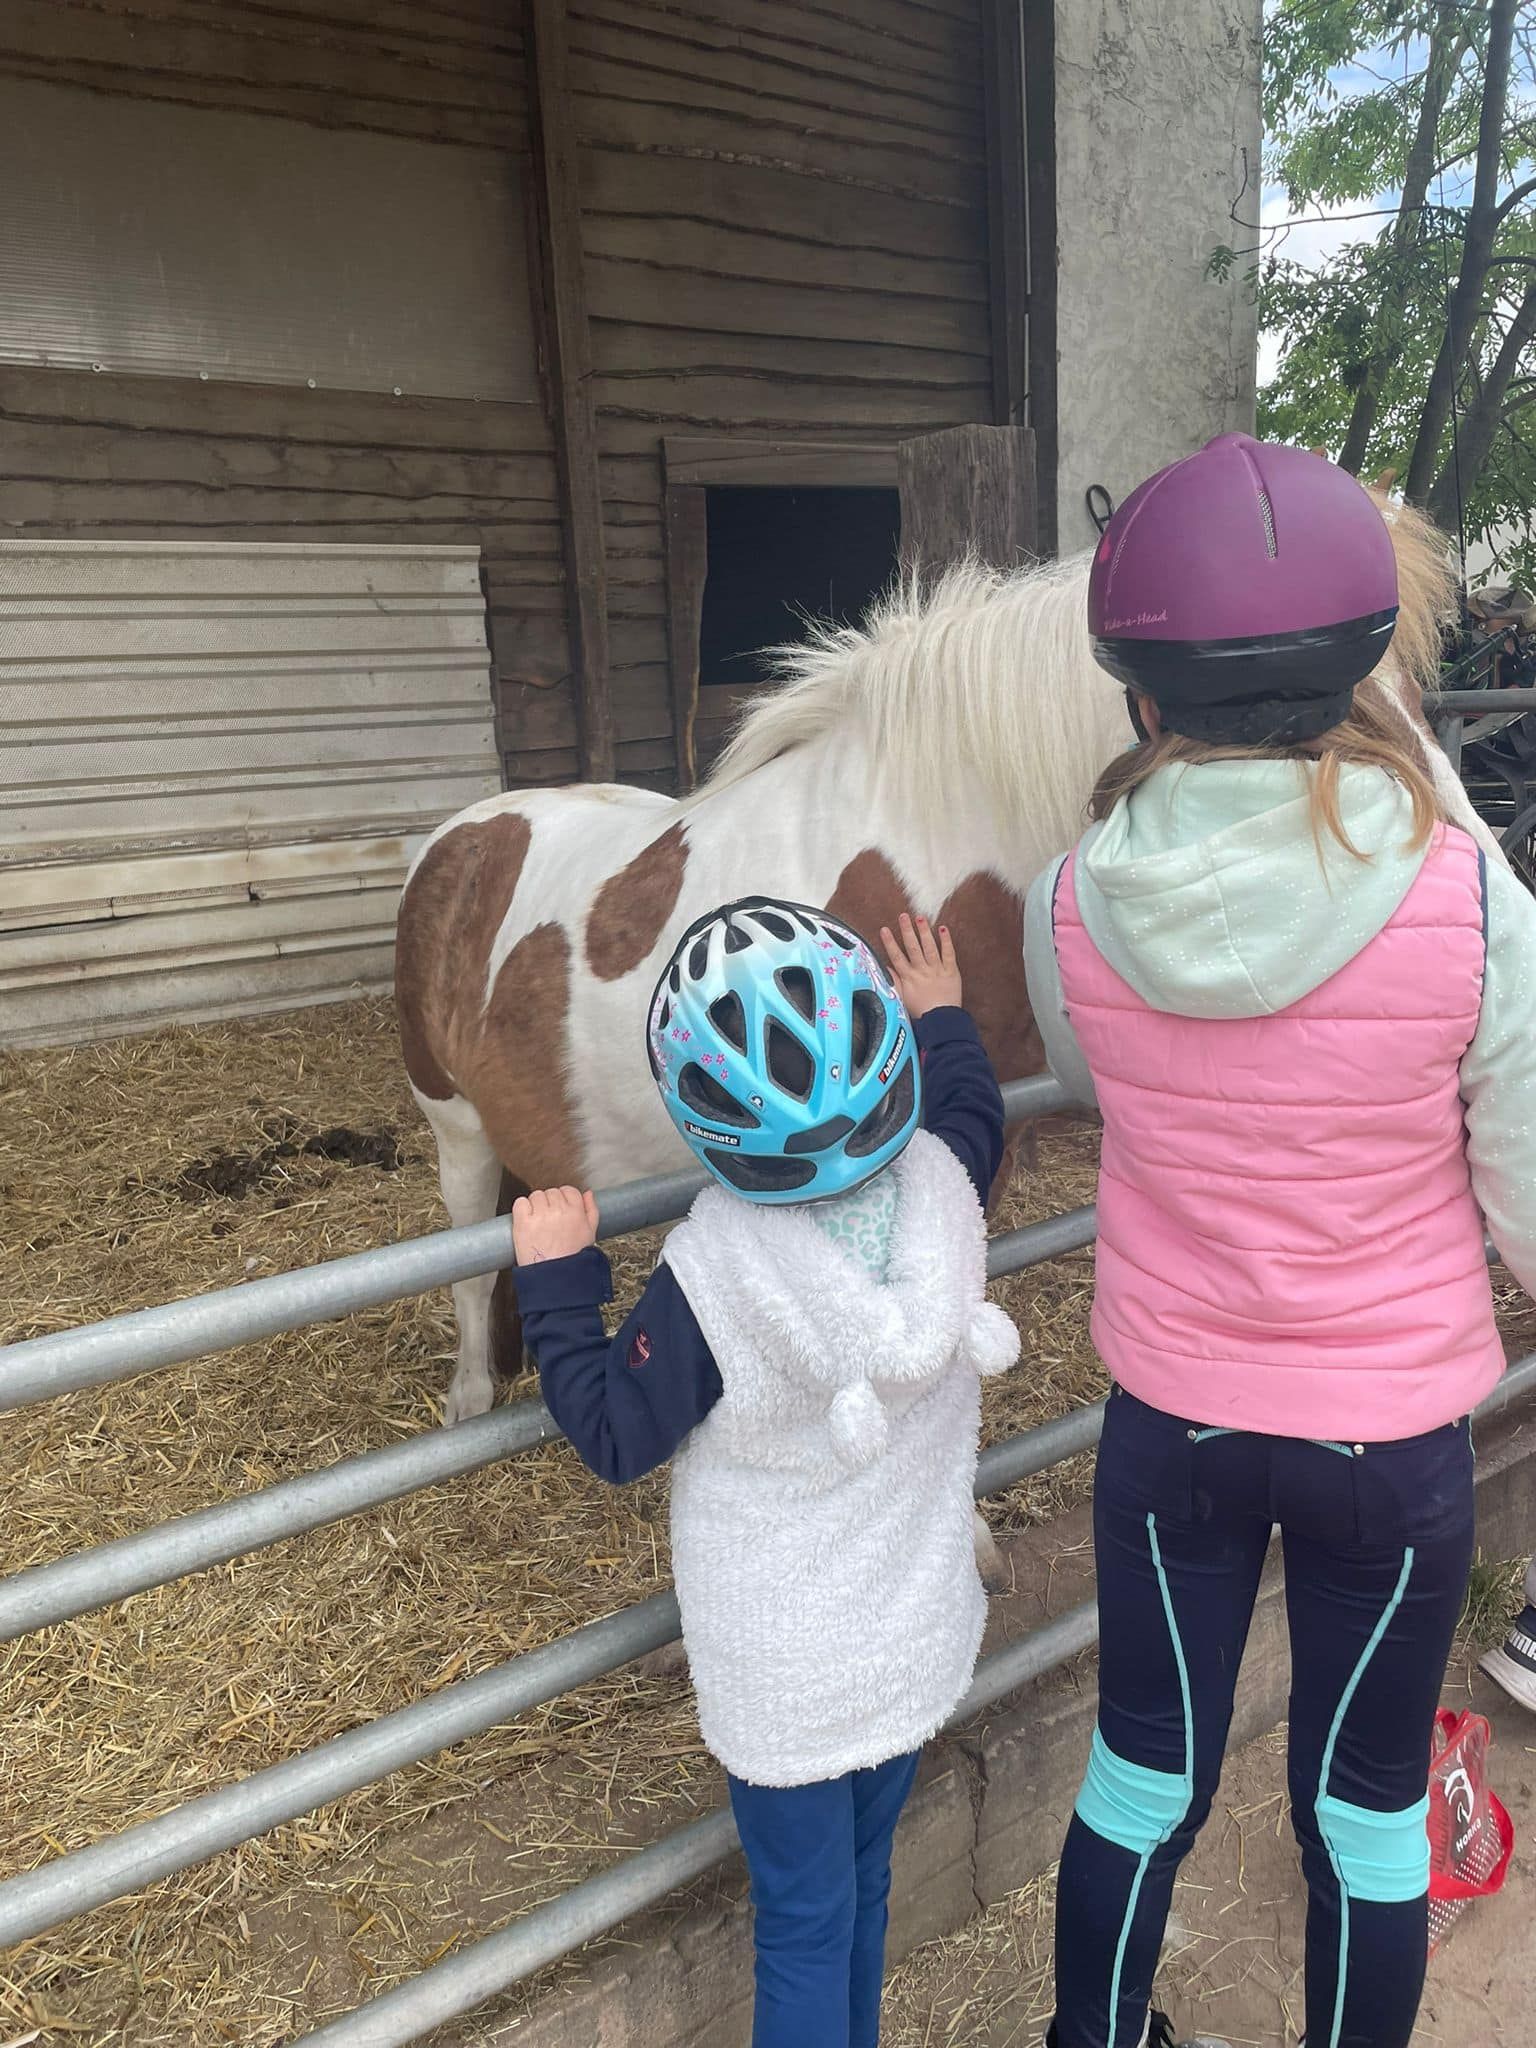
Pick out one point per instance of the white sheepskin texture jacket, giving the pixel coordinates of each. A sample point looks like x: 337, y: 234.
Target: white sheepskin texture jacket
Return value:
x: 822, y: 1513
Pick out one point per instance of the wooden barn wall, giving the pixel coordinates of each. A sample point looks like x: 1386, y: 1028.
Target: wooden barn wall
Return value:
x: 106, y: 457
x: 785, y: 230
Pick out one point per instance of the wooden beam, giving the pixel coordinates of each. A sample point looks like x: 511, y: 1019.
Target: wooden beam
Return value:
x: 969, y: 491
x: 1039, y: 33
x: 687, y: 549
x: 568, y: 347
x: 739, y: 459
x: 1007, y: 209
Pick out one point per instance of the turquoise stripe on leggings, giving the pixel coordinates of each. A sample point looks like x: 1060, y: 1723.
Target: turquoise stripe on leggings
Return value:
x: 1188, y: 1782
x: 1322, y: 1785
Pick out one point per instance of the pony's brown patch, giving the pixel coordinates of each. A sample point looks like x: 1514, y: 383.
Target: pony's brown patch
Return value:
x: 451, y: 911
x: 869, y: 894
x: 516, y: 1078
x: 633, y: 906
x: 986, y: 920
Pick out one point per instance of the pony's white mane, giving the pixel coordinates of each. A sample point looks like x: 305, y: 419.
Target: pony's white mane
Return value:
x: 976, y: 689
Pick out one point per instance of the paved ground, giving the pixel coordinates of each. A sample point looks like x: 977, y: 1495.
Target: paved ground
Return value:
x: 1233, y: 1965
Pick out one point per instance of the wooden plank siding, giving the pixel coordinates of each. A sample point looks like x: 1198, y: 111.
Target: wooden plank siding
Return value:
x: 784, y: 234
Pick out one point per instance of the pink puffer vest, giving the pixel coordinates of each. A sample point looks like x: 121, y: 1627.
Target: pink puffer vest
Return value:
x: 1288, y: 1240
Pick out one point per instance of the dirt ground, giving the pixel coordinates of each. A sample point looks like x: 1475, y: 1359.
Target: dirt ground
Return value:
x: 1232, y: 1967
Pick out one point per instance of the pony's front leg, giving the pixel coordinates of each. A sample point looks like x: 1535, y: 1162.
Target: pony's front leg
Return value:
x: 995, y: 1575
x: 469, y: 1174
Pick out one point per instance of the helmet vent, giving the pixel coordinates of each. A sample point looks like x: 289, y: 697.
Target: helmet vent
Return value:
x: 737, y: 937
x: 841, y: 938
x: 698, y: 958
x: 755, y: 1176
x: 771, y: 921
x: 730, y: 1020
x: 705, y: 1097
x: 887, y: 1117
x: 868, y: 1030
x: 789, y: 1065
x: 796, y: 984
x: 1268, y: 511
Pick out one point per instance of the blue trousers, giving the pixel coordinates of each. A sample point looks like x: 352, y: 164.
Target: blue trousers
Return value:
x: 819, y: 1857
x: 1378, y: 1542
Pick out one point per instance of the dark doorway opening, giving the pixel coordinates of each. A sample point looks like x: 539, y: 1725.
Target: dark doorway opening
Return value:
x: 779, y: 555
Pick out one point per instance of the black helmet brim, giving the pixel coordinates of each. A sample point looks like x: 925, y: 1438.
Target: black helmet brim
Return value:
x: 1285, y: 687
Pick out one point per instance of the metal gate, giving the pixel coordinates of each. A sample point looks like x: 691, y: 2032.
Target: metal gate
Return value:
x: 43, y: 1367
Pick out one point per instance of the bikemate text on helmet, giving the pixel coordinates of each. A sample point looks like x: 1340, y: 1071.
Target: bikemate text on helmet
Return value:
x: 1246, y: 590
x: 783, y: 1054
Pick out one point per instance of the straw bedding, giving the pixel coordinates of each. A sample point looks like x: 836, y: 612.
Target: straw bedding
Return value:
x: 147, y: 1168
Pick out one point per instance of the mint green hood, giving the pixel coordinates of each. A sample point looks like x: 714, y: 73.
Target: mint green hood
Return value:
x: 1205, y: 891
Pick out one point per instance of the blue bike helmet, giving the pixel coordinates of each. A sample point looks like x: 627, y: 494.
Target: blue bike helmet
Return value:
x: 783, y: 1053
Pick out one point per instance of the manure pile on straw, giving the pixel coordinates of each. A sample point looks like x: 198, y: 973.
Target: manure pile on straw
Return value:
x: 138, y: 1171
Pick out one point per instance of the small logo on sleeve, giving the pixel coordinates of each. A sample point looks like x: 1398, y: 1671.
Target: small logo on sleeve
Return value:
x: 639, y: 1351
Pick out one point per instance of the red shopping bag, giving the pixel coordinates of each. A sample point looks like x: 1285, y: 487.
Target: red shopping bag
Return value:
x: 1471, y: 1836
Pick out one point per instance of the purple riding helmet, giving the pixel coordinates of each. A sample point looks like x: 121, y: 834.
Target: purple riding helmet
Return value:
x: 1246, y: 590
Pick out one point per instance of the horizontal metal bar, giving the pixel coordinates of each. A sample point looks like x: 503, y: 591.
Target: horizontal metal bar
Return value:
x: 498, y: 1961
x: 216, y: 1821
x: 205, y: 1826
x: 1464, y: 703
x: 39, y: 1368
x: 1036, y: 1242
x: 48, y: 1593
x: 1037, y: 1450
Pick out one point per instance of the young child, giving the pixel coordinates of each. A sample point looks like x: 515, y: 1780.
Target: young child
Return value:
x: 1303, y: 1002
x: 809, y: 1350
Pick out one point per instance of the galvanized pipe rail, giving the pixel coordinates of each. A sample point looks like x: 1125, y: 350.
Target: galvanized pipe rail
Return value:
x: 202, y: 1827
x: 40, y: 1368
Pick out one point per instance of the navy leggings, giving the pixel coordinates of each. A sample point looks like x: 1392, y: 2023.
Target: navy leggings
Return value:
x: 1378, y: 1542
x: 820, y: 1862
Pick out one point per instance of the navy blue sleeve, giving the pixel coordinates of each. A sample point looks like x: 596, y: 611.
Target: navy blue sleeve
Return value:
x: 626, y: 1402
x: 962, y: 1103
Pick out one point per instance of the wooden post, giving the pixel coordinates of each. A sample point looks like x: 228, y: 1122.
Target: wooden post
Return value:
x: 968, y: 491
x: 687, y: 548
x: 568, y: 344
x: 1007, y: 209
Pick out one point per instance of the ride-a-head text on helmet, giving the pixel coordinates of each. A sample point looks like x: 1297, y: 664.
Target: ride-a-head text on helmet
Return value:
x: 784, y: 1055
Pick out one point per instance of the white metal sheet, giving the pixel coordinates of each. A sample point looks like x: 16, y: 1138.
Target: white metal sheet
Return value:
x: 146, y: 236
x: 215, y: 762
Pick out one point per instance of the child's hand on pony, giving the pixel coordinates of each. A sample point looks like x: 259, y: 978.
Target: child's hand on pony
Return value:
x: 553, y: 1223
x: 922, y: 966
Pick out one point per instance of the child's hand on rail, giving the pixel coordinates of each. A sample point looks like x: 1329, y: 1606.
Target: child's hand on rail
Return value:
x: 552, y: 1223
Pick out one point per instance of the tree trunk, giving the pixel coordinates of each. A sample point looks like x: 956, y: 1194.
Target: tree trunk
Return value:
x: 1475, y: 439
x: 1447, y: 46
x: 1476, y: 256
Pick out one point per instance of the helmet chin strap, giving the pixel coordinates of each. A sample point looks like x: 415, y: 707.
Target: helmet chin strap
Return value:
x: 1134, y: 708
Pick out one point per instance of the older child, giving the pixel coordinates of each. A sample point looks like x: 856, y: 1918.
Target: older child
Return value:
x: 809, y: 1351
x: 1304, y: 1006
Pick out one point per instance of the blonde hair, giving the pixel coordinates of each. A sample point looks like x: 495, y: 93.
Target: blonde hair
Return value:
x: 1370, y: 737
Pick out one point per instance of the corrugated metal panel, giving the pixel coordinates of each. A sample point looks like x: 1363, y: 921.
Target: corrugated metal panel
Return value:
x: 141, y: 235
x: 215, y: 762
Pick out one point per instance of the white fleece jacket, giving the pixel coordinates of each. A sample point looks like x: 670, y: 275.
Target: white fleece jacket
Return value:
x: 822, y: 1513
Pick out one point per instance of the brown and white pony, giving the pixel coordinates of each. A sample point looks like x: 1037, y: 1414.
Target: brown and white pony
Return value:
x: 937, y: 757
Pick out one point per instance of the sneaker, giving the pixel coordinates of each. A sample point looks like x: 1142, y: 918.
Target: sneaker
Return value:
x: 1513, y: 1666
x: 1160, y: 2035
